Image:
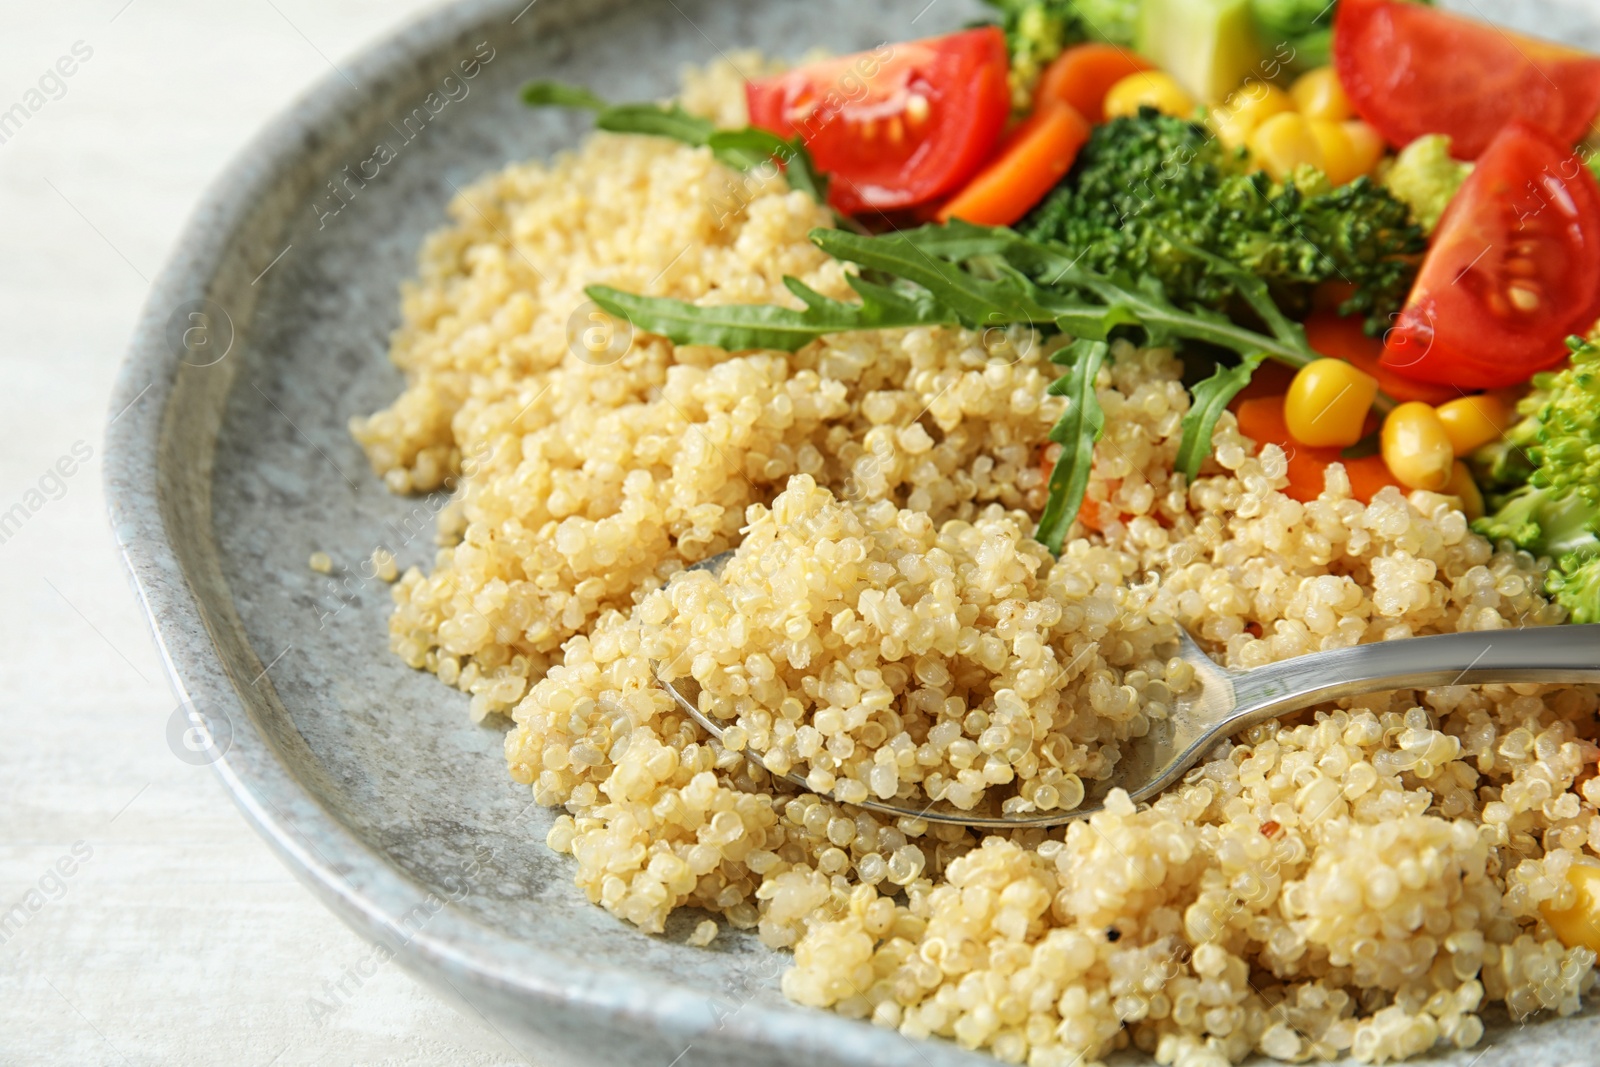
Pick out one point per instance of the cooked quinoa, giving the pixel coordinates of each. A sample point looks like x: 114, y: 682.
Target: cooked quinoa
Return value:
x: 1363, y: 878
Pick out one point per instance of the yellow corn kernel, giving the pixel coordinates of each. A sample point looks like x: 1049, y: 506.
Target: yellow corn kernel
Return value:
x: 1247, y: 109
x: 1367, y: 144
x: 1284, y: 143
x: 1473, y: 421
x: 1579, y: 924
x: 1465, y: 487
x: 1319, y: 95
x: 1349, y: 149
x: 1416, y: 447
x: 1150, y: 88
x: 1328, y: 403
x: 1338, y: 154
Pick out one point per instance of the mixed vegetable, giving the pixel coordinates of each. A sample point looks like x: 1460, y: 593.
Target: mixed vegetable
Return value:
x: 1391, y: 205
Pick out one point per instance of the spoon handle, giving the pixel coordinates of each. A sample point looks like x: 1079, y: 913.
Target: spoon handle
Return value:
x: 1546, y: 654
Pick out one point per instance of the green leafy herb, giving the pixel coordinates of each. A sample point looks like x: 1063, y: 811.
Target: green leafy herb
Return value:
x: 742, y: 327
x: 560, y: 94
x: 742, y: 149
x: 1210, y: 399
x: 1004, y: 298
x: 672, y: 122
x: 749, y: 148
x: 657, y: 120
x: 1077, y: 432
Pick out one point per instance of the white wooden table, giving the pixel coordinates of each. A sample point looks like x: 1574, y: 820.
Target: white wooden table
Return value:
x: 155, y: 927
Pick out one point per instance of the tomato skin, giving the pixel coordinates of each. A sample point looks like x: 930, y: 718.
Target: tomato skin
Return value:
x: 1411, y: 70
x: 1514, y: 270
x: 885, y: 152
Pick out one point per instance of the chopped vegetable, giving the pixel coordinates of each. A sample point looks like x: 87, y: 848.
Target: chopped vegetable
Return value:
x: 1473, y: 421
x: 1515, y: 267
x: 1262, y: 420
x: 1345, y: 338
x: 1083, y: 74
x: 1030, y: 163
x: 1318, y: 95
x: 1154, y: 89
x: 1306, y: 26
x: 1247, y: 109
x: 1545, y: 480
x: 1416, y: 447
x: 1427, y: 178
x: 1144, y: 187
x: 1350, y: 149
x: 1328, y: 404
x: 1210, y: 46
x: 1580, y: 923
x: 1037, y: 31
x: 1412, y: 70
x: 1283, y: 144
x: 897, y: 126
x: 1464, y: 487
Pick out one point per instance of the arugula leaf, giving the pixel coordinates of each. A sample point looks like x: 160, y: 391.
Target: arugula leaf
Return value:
x: 977, y: 302
x: 750, y: 147
x: 1130, y: 302
x: 802, y: 172
x: 657, y: 121
x: 560, y: 94
x: 742, y: 327
x: 1077, y: 431
x: 1210, y: 399
x: 742, y: 149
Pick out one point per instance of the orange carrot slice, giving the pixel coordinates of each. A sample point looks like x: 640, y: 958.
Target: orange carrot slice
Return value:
x: 1030, y: 163
x: 1080, y: 77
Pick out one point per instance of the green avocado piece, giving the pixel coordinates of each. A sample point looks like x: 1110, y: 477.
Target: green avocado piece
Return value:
x: 1209, y: 46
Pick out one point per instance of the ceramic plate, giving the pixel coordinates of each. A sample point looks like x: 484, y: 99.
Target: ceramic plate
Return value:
x: 228, y: 464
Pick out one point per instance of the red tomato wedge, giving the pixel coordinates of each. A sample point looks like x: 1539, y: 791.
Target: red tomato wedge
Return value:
x: 1412, y: 70
x: 1030, y: 163
x: 1083, y: 74
x: 898, y: 126
x: 1514, y: 270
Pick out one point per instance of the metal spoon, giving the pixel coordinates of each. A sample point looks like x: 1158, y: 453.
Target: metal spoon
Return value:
x: 1222, y: 702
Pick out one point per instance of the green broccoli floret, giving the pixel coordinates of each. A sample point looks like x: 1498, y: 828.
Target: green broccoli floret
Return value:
x: 1037, y: 31
x: 1555, y: 510
x: 1144, y: 185
x: 1426, y: 177
x: 1575, y: 583
x: 1305, y: 25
